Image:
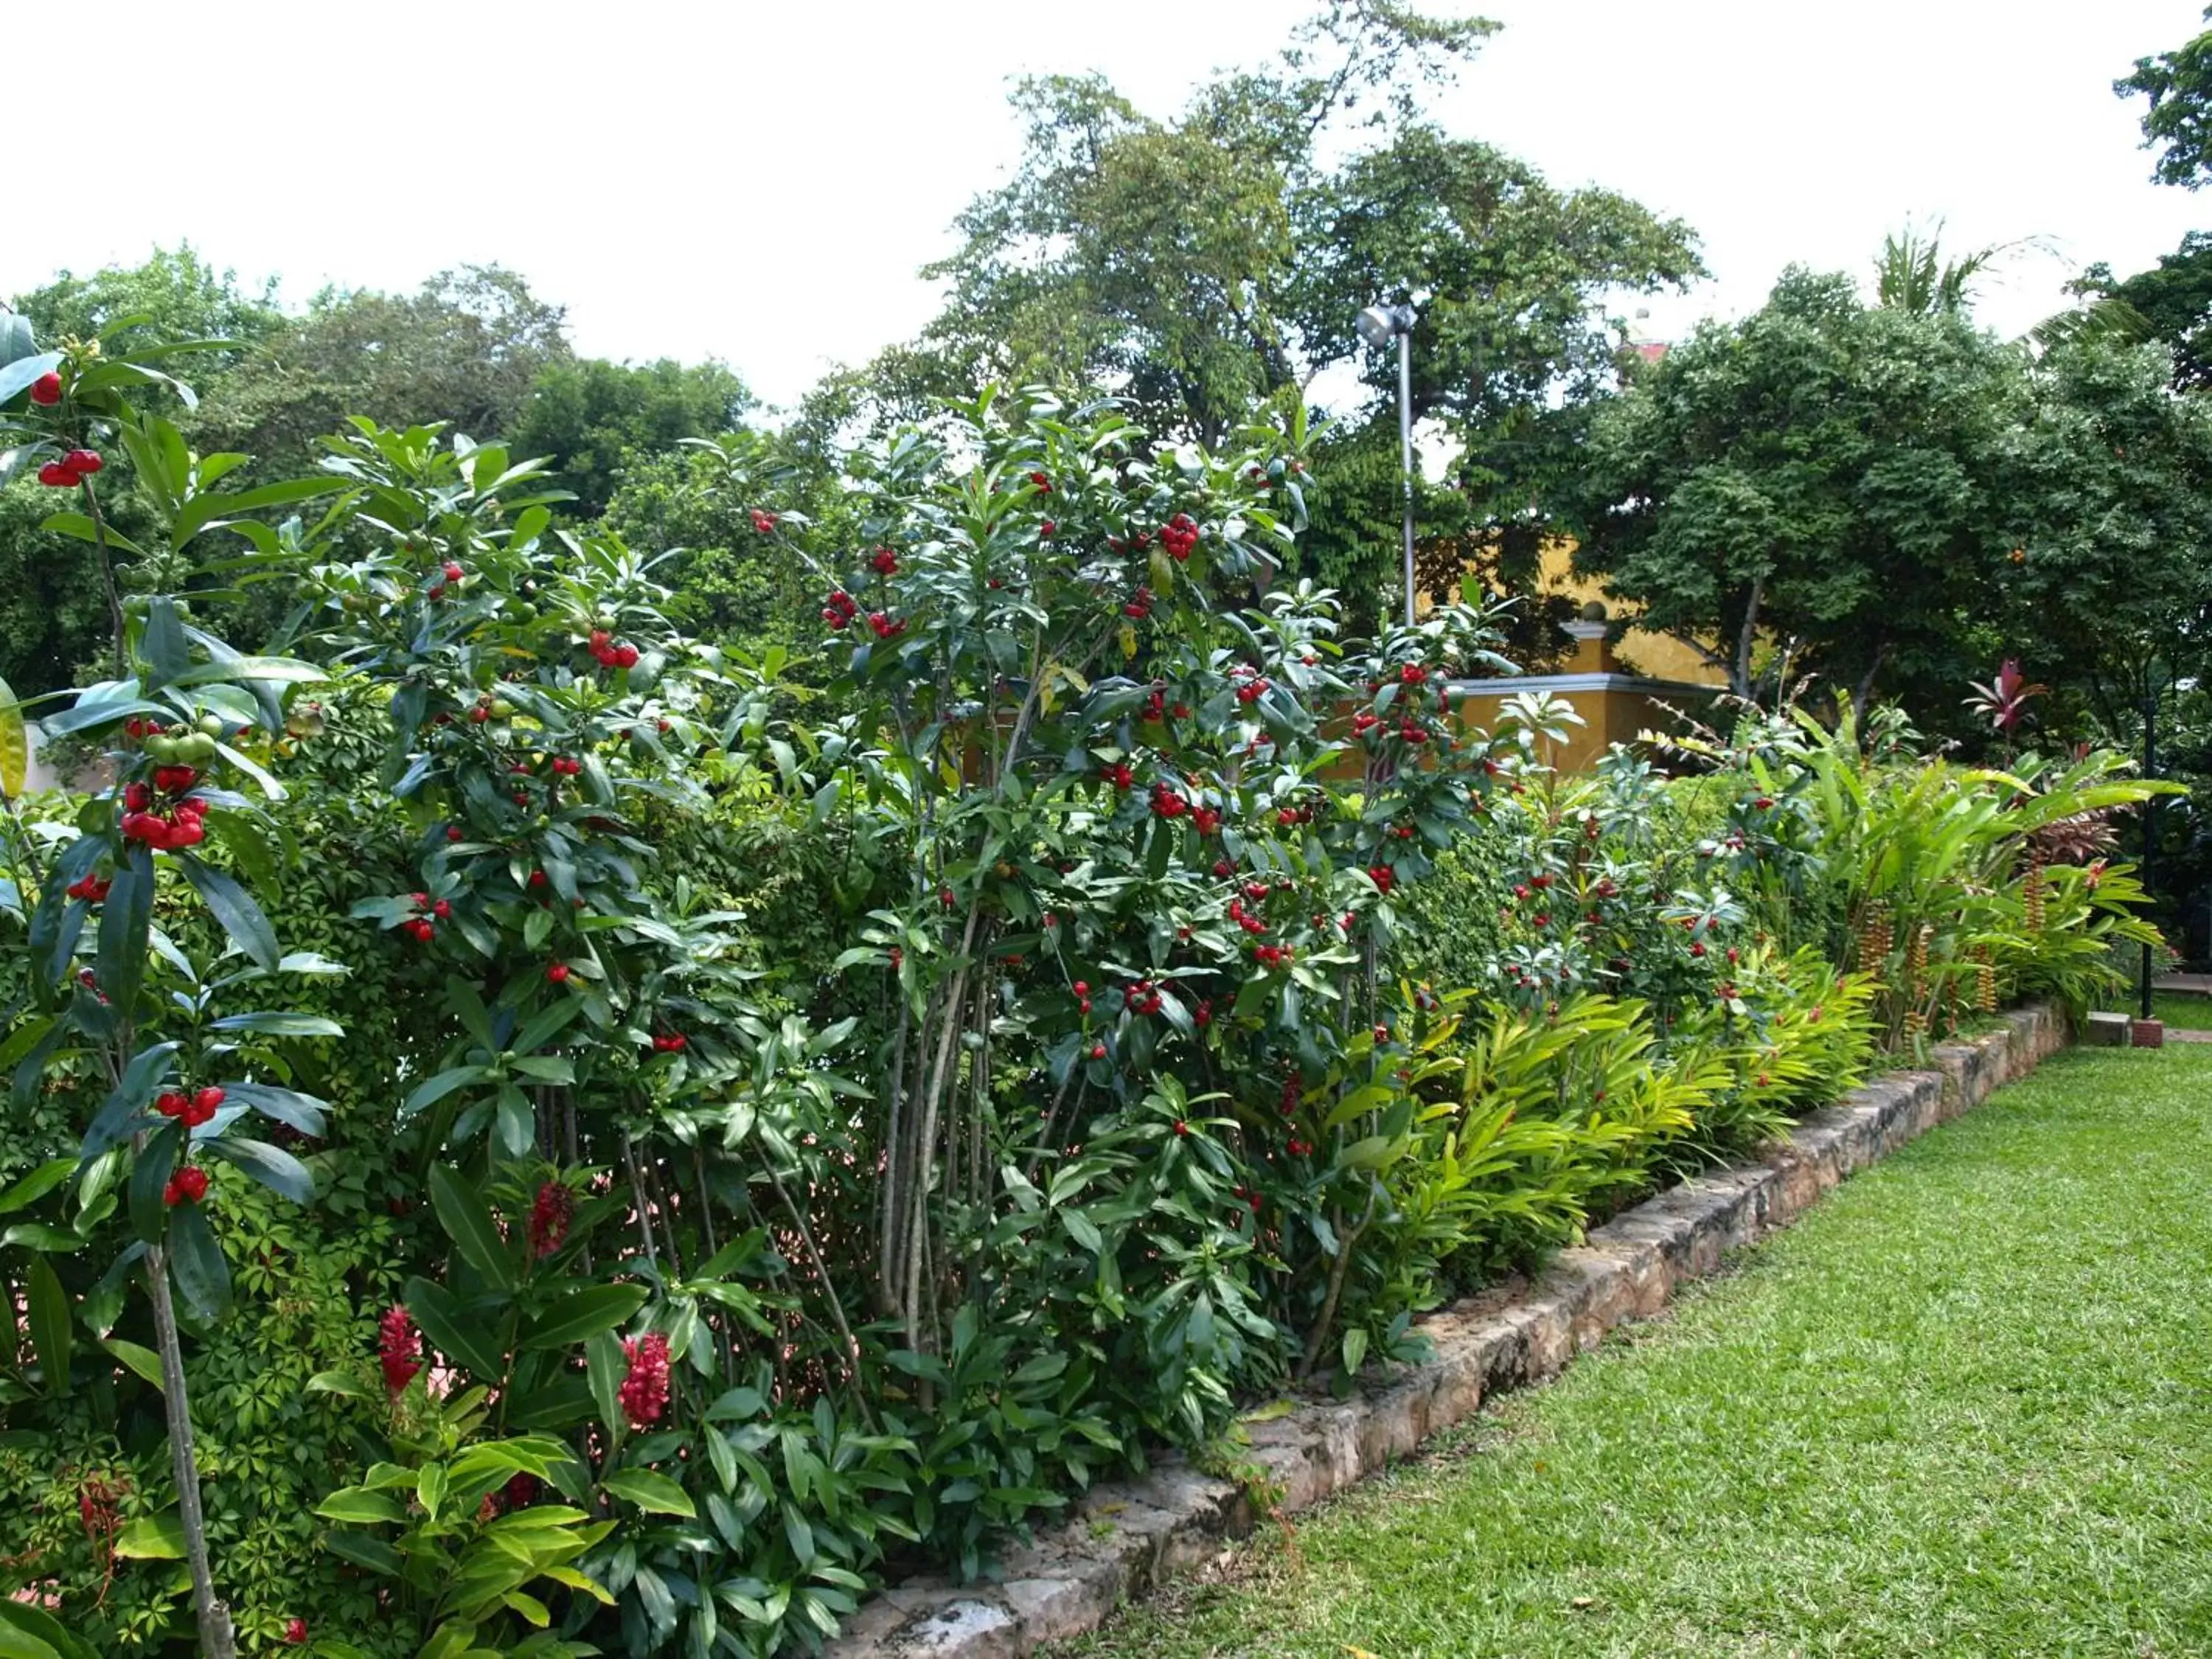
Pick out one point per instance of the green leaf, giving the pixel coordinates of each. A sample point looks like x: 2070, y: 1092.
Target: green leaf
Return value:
x: 286, y: 1106
x: 434, y: 1089
x: 337, y: 1382
x: 361, y: 1506
x: 15, y: 744
x: 113, y: 1123
x: 28, y: 1632
x: 196, y: 1259
x: 365, y: 1550
x: 235, y: 908
x: 276, y: 1025
x: 603, y: 1368
x: 124, y: 922
x: 49, y: 1325
x: 456, y: 1329
x: 36, y: 1185
x: 468, y: 1222
x: 143, y: 1363
x: 289, y: 670
x: 149, y: 1175
x: 582, y: 1314
x: 17, y: 373
x: 272, y: 1166
x: 653, y: 1492
x: 153, y: 1538
x: 43, y: 1236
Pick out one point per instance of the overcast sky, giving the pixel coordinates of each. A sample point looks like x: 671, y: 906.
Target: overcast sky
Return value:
x: 759, y: 181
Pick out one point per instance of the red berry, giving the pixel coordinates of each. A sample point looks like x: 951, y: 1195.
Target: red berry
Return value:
x: 423, y: 931
x: 85, y: 462
x: 1097, y: 1051
x: 558, y: 973
x: 188, y: 1185
x: 46, y: 389
x: 454, y: 832
x: 55, y: 476
x: 454, y: 572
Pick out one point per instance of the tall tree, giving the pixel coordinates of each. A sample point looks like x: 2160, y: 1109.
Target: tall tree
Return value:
x: 2178, y: 124
x: 1825, y: 474
x: 593, y: 419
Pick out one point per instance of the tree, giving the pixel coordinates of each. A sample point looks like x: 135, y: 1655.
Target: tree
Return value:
x: 2171, y: 303
x: 2179, y: 84
x: 2109, y: 596
x: 465, y: 350
x: 591, y: 419
x: 1823, y: 473
x: 1198, y: 266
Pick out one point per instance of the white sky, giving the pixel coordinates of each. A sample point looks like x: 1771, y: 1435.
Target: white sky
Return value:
x: 760, y: 181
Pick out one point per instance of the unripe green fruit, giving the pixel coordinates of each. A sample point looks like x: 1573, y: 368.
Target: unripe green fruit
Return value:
x: 501, y: 708
x: 212, y: 725
x: 195, y: 751
x: 161, y: 749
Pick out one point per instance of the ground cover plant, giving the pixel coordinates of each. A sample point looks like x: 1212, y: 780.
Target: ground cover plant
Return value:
x: 737, y: 1136
x: 1915, y: 1422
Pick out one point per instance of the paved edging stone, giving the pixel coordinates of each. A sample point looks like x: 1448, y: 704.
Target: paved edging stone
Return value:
x: 1124, y: 1537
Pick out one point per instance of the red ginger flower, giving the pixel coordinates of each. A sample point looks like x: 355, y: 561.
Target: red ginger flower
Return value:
x: 644, y: 1390
x: 296, y: 1633
x: 398, y: 1347
x: 549, y: 1215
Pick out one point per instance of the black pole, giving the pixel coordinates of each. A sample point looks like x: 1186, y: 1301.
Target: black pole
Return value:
x: 2149, y: 816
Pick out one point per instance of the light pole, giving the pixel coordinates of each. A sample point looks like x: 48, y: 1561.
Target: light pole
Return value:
x: 1378, y: 325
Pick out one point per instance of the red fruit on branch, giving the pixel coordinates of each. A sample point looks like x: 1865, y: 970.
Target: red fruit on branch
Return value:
x: 558, y: 972
x: 454, y: 572
x: 885, y: 563
x: 46, y: 389
x: 762, y: 522
x: 188, y: 1185
x: 422, y: 929
x: 1097, y: 1051
x: 295, y: 1632
x: 1046, y: 529
x: 1043, y: 482
x: 441, y: 909
x: 454, y: 832
x: 169, y: 1103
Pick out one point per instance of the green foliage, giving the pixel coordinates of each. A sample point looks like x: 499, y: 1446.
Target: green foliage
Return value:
x: 2179, y: 84
x: 594, y: 422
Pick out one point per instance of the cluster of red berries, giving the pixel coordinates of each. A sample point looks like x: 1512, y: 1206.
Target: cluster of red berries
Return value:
x: 1206, y: 820
x: 1156, y: 710
x: 1043, y: 483
x: 1140, y: 603
x: 1178, y: 536
x: 1273, y: 956
x: 882, y: 627
x: 1140, y: 998
x: 181, y: 826
x: 1297, y: 1148
x: 72, y: 470
x: 763, y: 521
x: 91, y: 889
x: 1254, y: 685
x: 885, y: 563
x: 188, y: 1185
x: 1288, y: 816
x: 193, y: 1110
x: 398, y: 1348
x: 550, y: 1213
x: 1166, y: 803
x: 567, y: 766
x: 644, y: 1390
x: 671, y: 1043
x: 1383, y: 876
x: 448, y: 576
x: 1120, y: 776
x: 1082, y: 988
x: 609, y: 655
x: 1245, y: 919
x: 841, y: 610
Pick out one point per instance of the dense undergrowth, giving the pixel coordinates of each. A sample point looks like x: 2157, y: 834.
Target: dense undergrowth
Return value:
x: 729, y: 1137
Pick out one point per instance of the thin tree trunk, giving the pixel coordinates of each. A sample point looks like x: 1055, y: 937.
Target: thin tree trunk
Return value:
x: 218, y: 1641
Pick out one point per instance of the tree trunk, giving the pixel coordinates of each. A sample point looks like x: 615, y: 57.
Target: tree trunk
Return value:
x: 217, y: 1640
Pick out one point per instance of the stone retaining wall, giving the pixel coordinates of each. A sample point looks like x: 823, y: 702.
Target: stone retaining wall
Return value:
x: 1123, y: 1538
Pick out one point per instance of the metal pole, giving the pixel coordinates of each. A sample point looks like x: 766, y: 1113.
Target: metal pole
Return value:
x: 2149, y: 818
x: 1405, y: 451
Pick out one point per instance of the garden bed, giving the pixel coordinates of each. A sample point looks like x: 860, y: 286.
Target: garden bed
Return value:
x: 1124, y: 1538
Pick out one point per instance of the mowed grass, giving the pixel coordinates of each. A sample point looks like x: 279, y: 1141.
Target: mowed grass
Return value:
x: 1963, y: 1407
x: 2182, y: 1012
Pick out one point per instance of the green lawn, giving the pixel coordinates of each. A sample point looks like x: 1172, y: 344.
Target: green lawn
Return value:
x: 1964, y: 1407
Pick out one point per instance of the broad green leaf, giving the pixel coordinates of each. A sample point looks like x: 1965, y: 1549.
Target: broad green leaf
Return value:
x: 337, y: 1382
x: 36, y: 1185
x: 434, y: 1089
x: 112, y: 1123
x: 15, y: 744
x: 277, y: 1024
x: 457, y: 1329
x: 583, y: 1313
x: 272, y: 1166
x: 202, y: 1276
x: 286, y: 1106
x: 654, y: 1492
x: 287, y: 670
x: 143, y: 1363
x: 361, y: 1506
x: 468, y: 1222
x: 49, y: 1325
x: 153, y: 1538
x: 235, y: 908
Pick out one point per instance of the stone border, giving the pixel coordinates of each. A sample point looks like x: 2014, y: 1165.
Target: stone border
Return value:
x: 1124, y: 1538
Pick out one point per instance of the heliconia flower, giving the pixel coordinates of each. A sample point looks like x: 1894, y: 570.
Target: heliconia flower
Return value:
x: 644, y: 1390
x: 398, y: 1347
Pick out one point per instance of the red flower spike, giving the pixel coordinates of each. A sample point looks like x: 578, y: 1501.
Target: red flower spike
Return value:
x: 550, y: 1213
x: 295, y: 1632
x: 644, y: 1390
x: 398, y: 1348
